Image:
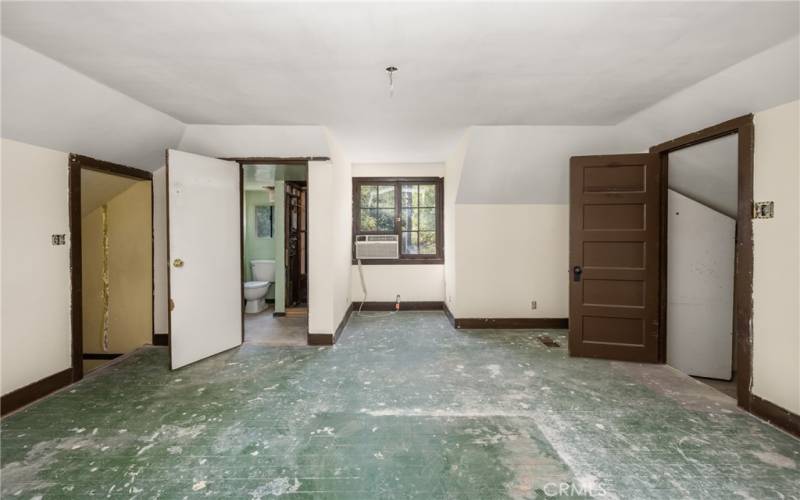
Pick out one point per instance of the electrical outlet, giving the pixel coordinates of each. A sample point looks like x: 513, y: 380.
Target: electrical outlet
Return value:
x: 58, y: 239
x: 533, y: 304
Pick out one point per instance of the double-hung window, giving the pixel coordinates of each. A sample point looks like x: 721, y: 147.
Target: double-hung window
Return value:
x: 410, y: 208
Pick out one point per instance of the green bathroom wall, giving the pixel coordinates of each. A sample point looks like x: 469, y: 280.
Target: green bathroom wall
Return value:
x: 255, y: 247
x: 278, y: 220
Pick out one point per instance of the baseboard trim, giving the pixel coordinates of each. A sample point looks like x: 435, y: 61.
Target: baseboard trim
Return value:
x: 161, y: 339
x: 326, y: 339
x: 343, y: 323
x: 449, y: 315
x: 404, y: 306
x: 774, y: 414
x: 101, y: 355
x: 278, y: 314
x: 510, y: 323
x: 15, y: 400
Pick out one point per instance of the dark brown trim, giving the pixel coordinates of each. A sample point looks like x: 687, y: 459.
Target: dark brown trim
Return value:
x: 328, y: 339
x: 774, y: 414
x: 743, y: 274
x: 292, y: 160
x: 241, y: 243
x: 320, y: 339
x: 277, y: 314
x: 101, y: 355
x: 512, y: 323
x: 707, y: 134
x: 449, y: 315
x: 15, y: 400
x: 404, y: 306
x: 438, y: 182
x: 342, y: 323
x: 110, y: 168
x: 161, y: 339
x: 76, y: 164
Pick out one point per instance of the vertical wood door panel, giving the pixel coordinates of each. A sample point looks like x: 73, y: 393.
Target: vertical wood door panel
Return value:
x: 614, y: 241
x: 203, y: 207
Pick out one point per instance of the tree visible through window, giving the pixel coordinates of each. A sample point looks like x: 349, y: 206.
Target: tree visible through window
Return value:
x: 409, y: 208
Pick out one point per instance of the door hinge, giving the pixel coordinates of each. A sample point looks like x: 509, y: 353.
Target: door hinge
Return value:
x: 171, y: 304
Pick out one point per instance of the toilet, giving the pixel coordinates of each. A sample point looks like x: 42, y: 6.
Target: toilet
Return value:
x: 255, y: 292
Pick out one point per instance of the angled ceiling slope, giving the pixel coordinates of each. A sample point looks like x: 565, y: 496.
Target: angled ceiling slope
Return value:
x: 322, y: 63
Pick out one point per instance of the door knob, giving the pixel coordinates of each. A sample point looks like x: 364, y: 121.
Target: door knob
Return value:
x: 576, y: 273
x: 177, y: 263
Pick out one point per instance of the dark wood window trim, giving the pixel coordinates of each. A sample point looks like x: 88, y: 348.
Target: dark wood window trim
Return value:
x: 438, y: 182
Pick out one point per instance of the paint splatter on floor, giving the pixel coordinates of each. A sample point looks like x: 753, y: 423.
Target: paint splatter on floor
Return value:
x: 446, y: 414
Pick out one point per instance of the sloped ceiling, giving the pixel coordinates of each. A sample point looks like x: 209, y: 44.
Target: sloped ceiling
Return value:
x: 461, y: 64
x: 98, y: 188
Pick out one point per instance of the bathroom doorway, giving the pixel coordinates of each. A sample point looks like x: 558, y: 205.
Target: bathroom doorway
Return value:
x: 111, y: 253
x: 274, y: 256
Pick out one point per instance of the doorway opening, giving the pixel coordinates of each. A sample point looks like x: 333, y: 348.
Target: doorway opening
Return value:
x: 111, y: 253
x: 702, y: 203
x: 275, y: 253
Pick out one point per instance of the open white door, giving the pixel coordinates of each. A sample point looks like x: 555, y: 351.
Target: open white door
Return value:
x: 205, y: 281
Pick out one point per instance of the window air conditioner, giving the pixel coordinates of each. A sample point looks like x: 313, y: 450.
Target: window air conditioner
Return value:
x: 377, y: 246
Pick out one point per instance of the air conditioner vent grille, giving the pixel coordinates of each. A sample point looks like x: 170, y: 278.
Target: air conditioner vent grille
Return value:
x: 377, y: 246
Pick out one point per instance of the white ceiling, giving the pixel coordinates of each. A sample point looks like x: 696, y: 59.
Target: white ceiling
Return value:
x: 98, y: 188
x: 461, y: 64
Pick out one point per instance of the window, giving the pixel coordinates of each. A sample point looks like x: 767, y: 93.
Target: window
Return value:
x: 410, y: 208
x: 263, y: 221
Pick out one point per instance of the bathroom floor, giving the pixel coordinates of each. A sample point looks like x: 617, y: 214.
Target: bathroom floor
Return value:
x: 403, y: 406
x: 265, y: 329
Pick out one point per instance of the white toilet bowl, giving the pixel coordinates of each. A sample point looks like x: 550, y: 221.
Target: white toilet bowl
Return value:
x: 255, y: 292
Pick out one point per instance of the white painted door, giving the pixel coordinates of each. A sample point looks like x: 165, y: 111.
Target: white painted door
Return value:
x: 700, y: 268
x: 205, y: 256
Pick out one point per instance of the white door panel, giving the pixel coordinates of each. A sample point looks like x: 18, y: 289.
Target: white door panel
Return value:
x: 700, y: 269
x: 204, y: 233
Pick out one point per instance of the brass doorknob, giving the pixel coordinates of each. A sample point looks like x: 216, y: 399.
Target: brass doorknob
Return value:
x: 177, y: 263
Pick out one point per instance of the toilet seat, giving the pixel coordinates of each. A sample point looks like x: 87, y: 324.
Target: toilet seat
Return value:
x: 255, y: 284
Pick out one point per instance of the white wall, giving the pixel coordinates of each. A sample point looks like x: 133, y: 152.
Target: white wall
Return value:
x: 418, y: 283
x: 35, y: 339
x: 321, y: 273
x: 160, y: 263
x: 341, y: 219
x: 509, y: 255
x: 776, y: 257
x: 50, y: 105
x: 452, y: 178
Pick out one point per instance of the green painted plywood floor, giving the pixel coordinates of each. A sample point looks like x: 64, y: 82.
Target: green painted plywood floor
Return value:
x: 403, y: 407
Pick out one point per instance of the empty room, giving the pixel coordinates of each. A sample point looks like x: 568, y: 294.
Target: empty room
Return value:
x: 400, y: 250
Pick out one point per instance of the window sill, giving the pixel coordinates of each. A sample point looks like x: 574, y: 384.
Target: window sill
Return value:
x: 395, y: 262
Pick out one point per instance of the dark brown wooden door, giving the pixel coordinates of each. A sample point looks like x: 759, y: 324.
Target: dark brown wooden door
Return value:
x: 614, y: 247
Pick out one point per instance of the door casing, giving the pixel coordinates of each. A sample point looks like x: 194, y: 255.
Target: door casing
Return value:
x: 743, y: 273
x: 77, y: 163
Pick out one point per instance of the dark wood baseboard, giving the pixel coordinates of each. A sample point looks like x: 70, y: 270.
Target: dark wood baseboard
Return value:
x: 161, y: 339
x: 449, y: 315
x: 774, y: 414
x: 30, y: 393
x: 320, y: 339
x: 324, y: 338
x: 511, y: 323
x: 342, y: 323
x: 404, y: 306
x: 101, y: 355
x: 278, y: 314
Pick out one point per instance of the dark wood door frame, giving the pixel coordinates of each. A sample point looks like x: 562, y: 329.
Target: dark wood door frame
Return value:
x: 78, y: 163
x: 743, y: 274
